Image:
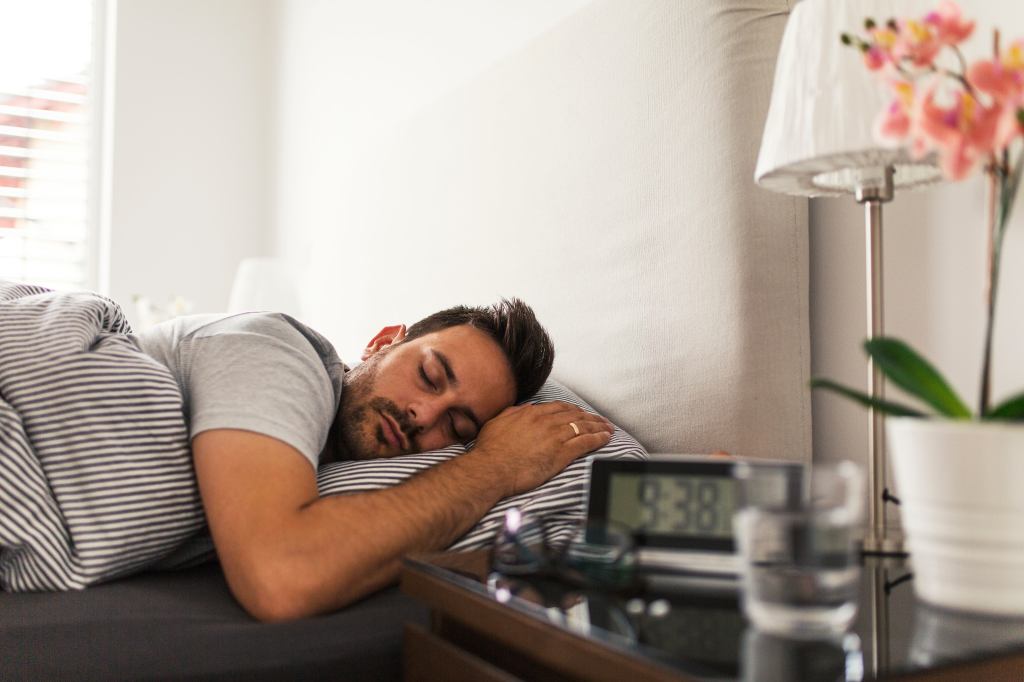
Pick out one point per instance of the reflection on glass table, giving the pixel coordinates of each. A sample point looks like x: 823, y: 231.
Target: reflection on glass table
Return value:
x: 767, y: 657
x: 702, y: 634
x: 699, y: 633
x: 943, y: 636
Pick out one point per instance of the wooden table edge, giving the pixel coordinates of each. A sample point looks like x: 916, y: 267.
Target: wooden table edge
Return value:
x: 519, y: 631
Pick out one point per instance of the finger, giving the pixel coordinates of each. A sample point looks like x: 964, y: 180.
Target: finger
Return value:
x: 584, y: 427
x: 549, y: 410
x: 587, y: 415
x: 573, y: 431
x: 590, y: 417
x: 587, y: 442
x: 584, y: 421
x: 574, y: 412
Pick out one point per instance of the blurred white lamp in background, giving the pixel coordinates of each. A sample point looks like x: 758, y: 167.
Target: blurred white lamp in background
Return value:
x: 265, y: 284
x: 819, y: 141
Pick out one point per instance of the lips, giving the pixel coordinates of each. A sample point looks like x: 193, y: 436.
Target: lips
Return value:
x: 393, y: 433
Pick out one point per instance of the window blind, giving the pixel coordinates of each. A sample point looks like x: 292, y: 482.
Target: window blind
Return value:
x: 44, y: 143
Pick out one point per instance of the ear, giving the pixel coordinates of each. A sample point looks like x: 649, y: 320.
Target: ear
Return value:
x: 387, y: 336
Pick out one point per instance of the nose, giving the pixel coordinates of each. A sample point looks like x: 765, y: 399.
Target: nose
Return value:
x: 426, y: 412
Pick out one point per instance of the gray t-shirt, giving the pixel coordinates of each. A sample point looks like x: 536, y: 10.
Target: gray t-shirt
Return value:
x: 261, y: 372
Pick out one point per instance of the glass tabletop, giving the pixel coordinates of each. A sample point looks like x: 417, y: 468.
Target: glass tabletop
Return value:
x: 698, y: 628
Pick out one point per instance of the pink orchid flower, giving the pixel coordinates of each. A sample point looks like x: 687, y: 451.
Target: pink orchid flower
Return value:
x: 917, y: 42
x: 1003, y: 81
x: 894, y: 122
x: 879, y: 53
x: 875, y: 58
x: 964, y: 132
x: 950, y: 28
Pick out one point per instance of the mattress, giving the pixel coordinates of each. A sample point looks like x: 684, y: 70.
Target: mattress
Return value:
x: 179, y: 624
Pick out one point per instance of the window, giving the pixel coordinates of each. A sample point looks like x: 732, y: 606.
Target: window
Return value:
x: 45, y: 142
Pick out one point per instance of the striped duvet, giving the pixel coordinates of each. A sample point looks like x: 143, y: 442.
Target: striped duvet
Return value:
x: 96, y: 477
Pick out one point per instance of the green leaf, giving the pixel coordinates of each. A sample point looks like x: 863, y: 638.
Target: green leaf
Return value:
x: 1011, y: 408
x: 915, y: 375
x: 864, y: 399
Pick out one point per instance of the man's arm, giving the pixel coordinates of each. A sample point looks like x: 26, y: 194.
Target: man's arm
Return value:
x: 288, y: 553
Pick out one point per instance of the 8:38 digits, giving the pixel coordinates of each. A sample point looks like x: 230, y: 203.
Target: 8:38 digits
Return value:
x: 686, y: 505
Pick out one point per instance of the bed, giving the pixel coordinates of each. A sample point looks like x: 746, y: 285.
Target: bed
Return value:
x: 177, y: 625
x: 604, y: 174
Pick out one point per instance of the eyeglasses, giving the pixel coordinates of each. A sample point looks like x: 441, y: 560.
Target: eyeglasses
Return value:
x: 594, y: 555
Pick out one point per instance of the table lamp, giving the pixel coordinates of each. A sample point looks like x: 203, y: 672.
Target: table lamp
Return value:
x: 819, y: 141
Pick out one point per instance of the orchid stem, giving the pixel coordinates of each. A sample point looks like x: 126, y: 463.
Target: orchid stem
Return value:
x: 1008, y: 179
x: 996, y: 184
x: 960, y: 57
x: 958, y: 77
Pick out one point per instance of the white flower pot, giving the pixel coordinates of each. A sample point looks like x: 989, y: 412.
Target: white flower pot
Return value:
x: 961, y: 485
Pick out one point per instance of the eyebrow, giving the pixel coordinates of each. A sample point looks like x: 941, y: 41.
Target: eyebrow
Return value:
x: 454, y: 381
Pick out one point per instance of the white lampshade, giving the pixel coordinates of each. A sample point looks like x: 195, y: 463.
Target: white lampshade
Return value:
x: 265, y: 284
x: 819, y: 135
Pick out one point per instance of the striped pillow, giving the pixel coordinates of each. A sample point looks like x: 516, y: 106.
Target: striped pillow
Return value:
x: 559, y: 502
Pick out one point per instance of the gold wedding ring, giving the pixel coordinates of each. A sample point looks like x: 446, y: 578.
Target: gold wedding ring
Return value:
x: 575, y: 428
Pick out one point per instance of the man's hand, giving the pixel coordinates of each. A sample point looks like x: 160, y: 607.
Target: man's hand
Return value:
x: 533, y: 443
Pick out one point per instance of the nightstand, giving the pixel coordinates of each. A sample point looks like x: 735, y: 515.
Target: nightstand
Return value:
x: 486, y: 627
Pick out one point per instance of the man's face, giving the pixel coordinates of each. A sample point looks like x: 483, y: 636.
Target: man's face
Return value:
x: 424, y: 394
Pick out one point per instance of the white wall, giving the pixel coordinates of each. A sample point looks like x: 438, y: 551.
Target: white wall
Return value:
x: 350, y: 71
x: 190, y: 172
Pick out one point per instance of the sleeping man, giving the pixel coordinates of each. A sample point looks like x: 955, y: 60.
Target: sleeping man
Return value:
x: 267, y: 399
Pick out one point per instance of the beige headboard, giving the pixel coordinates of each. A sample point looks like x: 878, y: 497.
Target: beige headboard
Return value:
x: 604, y: 174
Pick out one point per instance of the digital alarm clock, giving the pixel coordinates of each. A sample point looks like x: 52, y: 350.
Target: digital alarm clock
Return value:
x: 678, y: 508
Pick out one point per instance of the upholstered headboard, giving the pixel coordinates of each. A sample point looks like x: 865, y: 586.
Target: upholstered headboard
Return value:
x: 604, y: 174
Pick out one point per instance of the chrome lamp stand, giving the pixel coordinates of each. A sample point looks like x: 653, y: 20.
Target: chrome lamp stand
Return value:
x: 879, y: 538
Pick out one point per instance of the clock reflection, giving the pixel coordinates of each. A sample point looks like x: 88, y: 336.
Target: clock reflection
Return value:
x: 696, y: 632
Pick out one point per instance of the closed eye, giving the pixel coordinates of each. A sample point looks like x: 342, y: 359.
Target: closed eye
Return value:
x: 427, y: 380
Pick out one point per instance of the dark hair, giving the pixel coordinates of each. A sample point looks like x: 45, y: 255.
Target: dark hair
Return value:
x: 513, y: 325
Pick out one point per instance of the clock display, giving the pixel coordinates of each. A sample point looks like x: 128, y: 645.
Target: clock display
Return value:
x: 677, y: 508
x: 672, y: 505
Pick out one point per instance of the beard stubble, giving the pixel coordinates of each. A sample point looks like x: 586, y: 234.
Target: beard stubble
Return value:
x: 360, y: 434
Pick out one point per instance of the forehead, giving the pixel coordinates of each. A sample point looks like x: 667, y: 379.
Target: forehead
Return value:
x: 478, y: 363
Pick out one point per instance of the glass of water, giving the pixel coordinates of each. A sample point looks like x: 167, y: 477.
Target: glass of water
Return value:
x: 796, y: 539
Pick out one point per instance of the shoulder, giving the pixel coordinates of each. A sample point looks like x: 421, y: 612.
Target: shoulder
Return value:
x: 273, y: 325
x: 186, y: 328
x: 267, y: 325
x: 256, y: 372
